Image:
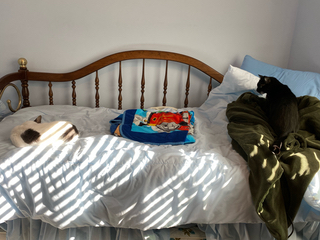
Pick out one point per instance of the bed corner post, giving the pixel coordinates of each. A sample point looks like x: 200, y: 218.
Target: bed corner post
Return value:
x: 24, y: 82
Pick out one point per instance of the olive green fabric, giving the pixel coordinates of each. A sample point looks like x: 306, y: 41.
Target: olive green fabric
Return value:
x: 277, y: 183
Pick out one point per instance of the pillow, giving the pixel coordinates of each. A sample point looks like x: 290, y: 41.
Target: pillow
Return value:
x: 301, y: 83
x: 235, y: 82
x: 238, y: 80
x: 4, y: 111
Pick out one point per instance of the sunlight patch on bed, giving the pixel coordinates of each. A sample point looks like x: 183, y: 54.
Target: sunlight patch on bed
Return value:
x: 120, y: 145
x: 56, y: 161
x: 93, y: 153
x: 159, y: 219
x: 125, y: 168
x: 110, y: 165
x: 155, y: 191
x: 316, y: 157
x: 254, y: 151
x: 29, y: 158
x: 304, y: 166
x: 14, y: 158
x: 188, y: 156
x: 9, y: 215
x: 178, y: 186
x: 157, y: 210
x: 36, y: 187
x: 165, y: 223
x: 181, y: 211
x: 13, y: 181
x: 185, y: 167
x: 89, y: 142
x: 5, y: 208
x: 187, y: 199
x: 122, y: 170
x: 273, y: 171
x: 198, y: 168
x: 264, y: 163
x: 73, y: 173
x: 143, y: 162
x: 69, y: 183
x: 157, y: 200
x: 38, y: 197
x: 126, y: 210
x: 39, y: 167
x: 65, y: 191
x: 68, y: 200
x: 207, y: 195
x: 20, y: 154
x: 214, y: 168
x: 184, y: 201
x: 117, y: 184
x: 39, y: 206
x: 52, y: 134
x: 201, y: 180
x: 176, y: 223
x: 100, y: 163
x: 73, y: 217
x: 226, y: 183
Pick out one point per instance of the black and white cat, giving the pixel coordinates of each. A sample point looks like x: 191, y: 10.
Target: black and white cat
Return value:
x: 281, y: 109
x: 36, y: 133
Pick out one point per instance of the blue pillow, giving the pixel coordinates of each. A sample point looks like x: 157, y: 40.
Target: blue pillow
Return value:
x: 301, y: 83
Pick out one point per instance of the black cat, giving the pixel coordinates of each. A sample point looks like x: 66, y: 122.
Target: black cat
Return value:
x: 281, y: 109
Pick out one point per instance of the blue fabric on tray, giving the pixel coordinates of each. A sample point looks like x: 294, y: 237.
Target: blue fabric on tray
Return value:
x: 160, y: 128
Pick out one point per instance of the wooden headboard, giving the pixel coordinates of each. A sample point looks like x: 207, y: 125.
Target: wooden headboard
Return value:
x: 24, y: 75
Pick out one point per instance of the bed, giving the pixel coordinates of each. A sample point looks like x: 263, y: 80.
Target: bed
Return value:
x: 107, y: 187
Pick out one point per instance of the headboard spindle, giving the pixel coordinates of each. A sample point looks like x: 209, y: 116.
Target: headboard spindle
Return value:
x: 120, y: 87
x: 165, y: 86
x: 186, y: 101
x: 143, y: 81
x: 97, y: 90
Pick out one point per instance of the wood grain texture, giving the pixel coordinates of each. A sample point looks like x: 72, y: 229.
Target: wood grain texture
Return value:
x: 24, y: 75
x: 122, y: 56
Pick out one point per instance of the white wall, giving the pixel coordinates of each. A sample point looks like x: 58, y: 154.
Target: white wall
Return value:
x: 61, y: 36
x: 305, y: 52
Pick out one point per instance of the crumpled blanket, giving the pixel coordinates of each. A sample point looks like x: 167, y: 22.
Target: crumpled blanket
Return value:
x: 155, y: 127
x: 277, y: 183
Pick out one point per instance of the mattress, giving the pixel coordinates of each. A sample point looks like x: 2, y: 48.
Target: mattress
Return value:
x: 104, y: 180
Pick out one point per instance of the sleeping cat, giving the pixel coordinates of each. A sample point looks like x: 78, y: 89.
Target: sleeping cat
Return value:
x: 282, y: 109
x: 36, y: 133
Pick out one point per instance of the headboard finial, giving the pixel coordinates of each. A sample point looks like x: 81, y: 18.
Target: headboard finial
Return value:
x: 23, y: 63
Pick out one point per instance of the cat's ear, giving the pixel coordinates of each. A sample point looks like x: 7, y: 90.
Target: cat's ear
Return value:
x: 38, y: 119
x: 267, y: 80
x: 260, y: 76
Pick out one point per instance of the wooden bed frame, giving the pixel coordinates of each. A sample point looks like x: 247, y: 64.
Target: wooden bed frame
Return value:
x: 24, y: 75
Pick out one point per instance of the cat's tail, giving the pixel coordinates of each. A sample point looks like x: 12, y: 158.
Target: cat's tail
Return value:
x: 70, y: 134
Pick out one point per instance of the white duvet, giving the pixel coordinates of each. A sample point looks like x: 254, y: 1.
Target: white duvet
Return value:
x: 103, y: 180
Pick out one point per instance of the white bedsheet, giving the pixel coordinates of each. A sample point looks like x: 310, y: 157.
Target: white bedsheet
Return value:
x: 103, y: 180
